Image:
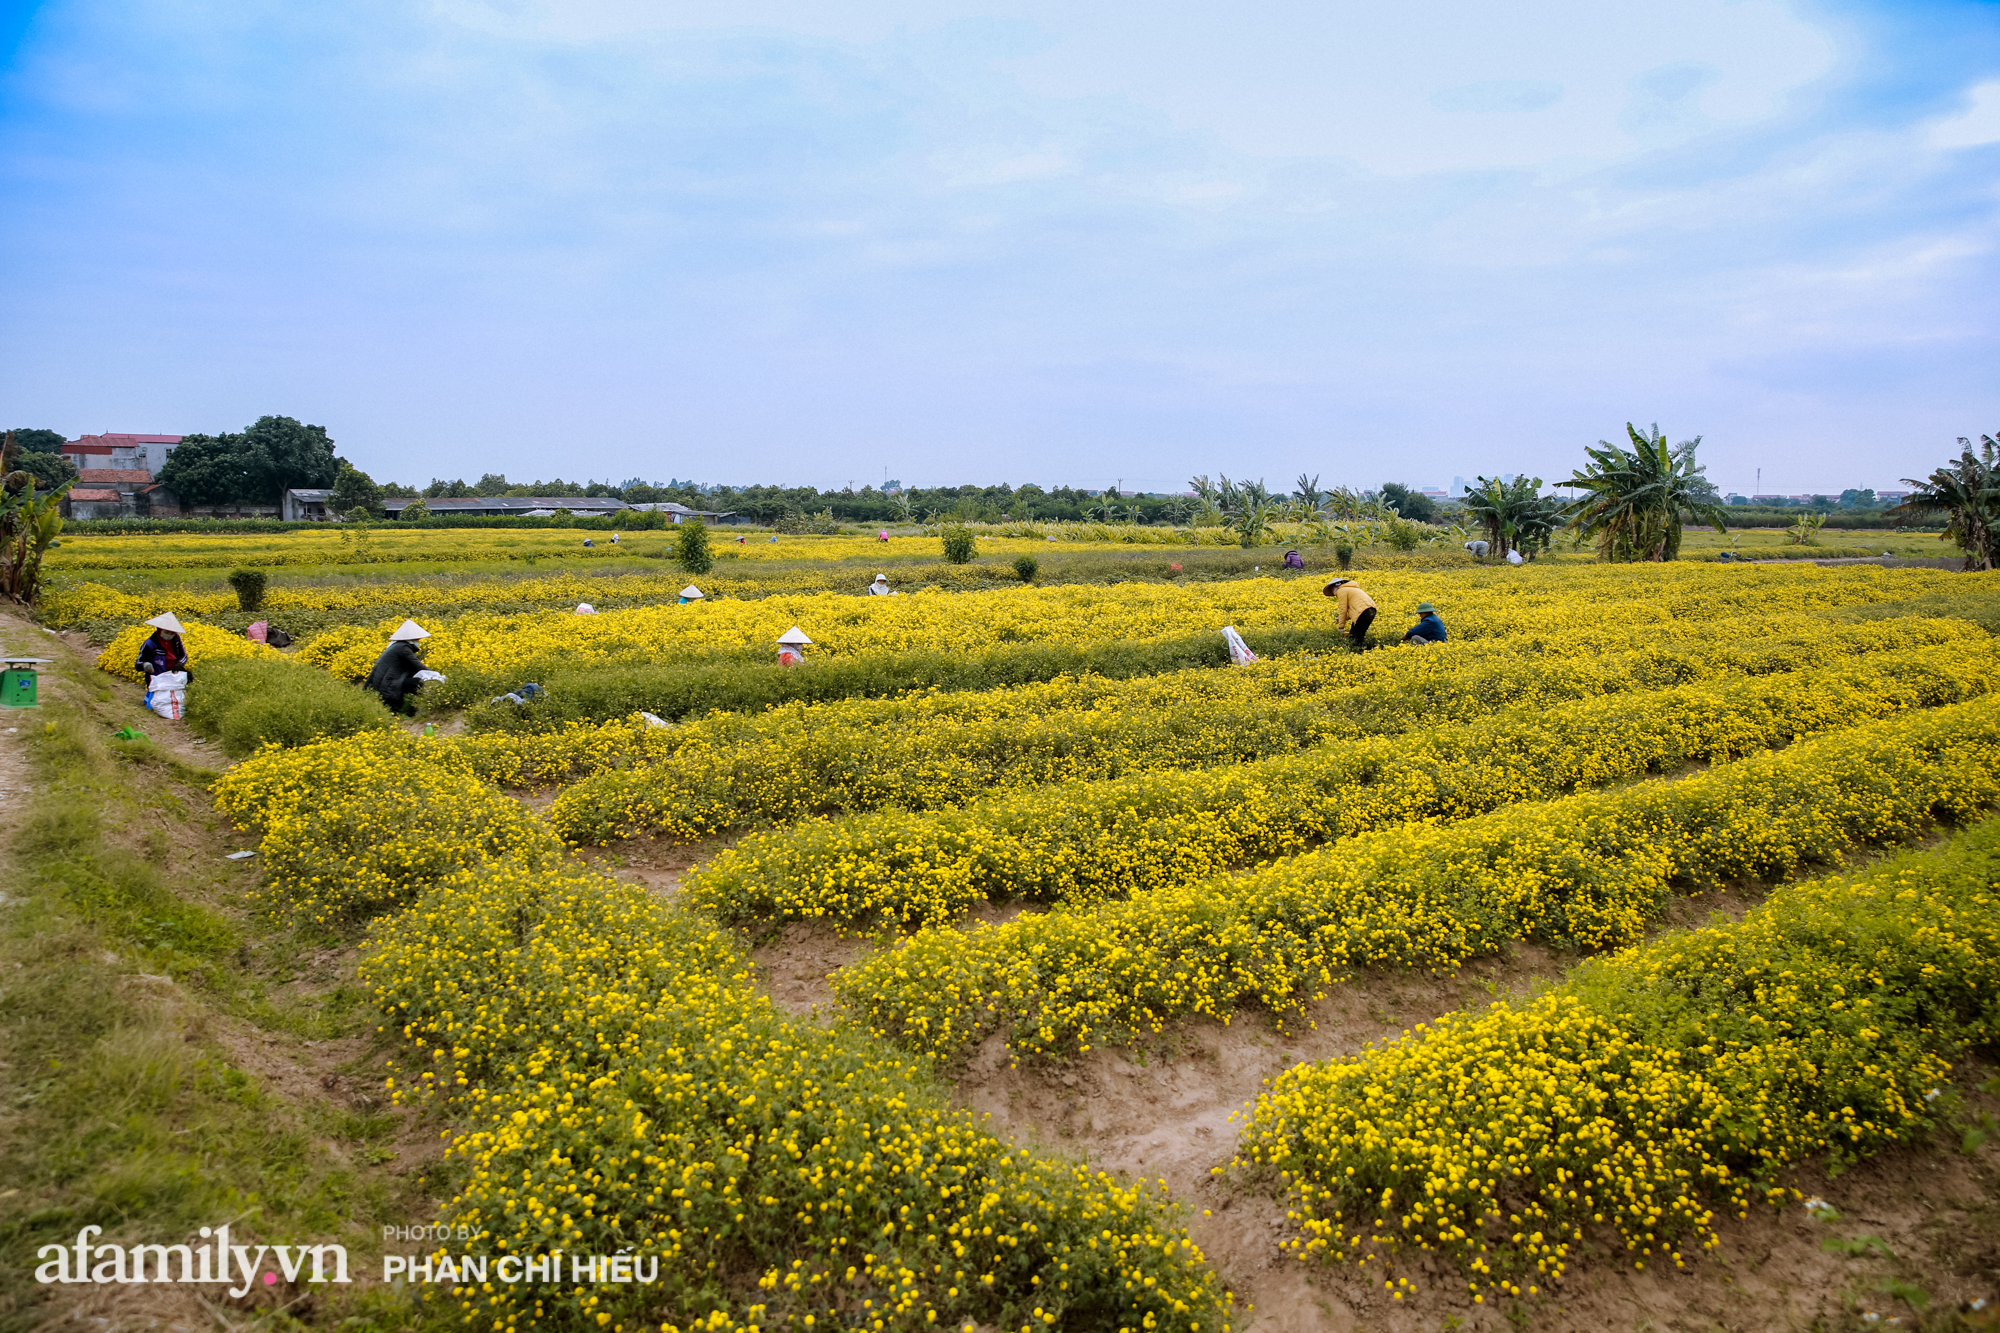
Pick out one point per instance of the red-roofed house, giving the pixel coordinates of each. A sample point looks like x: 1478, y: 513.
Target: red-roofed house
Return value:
x: 124, y: 452
x: 93, y: 502
x: 117, y: 466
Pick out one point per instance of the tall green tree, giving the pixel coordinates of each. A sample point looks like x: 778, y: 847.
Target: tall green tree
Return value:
x: 211, y: 470
x: 354, y: 489
x: 29, y: 441
x: 49, y: 470
x: 257, y: 466
x: 1636, y: 499
x: 1515, y: 515
x: 1966, y: 493
x: 1411, y: 503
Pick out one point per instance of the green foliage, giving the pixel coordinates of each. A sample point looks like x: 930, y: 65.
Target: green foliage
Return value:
x: 1805, y: 529
x: 248, y: 702
x: 1026, y: 567
x: 49, y: 470
x: 1514, y: 514
x: 958, y: 544
x: 416, y: 511
x: 689, y: 689
x: 1343, y: 552
x: 1637, y: 499
x: 354, y: 489
x: 31, y: 441
x: 30, y: 518
x: 692, y: 547
x: 256, y: 466
x: 1409, y: 502
x: 1966, y: 493
x: 821, y: 523
x: 249, y: 586
x: 1402, y: 535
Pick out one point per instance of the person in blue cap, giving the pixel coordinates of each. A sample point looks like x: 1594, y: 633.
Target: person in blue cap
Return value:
x: 1429, y: 627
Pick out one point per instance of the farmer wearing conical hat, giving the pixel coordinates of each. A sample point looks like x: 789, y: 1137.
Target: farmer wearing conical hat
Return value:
x: 689, y: 594
x: 163, y: 650
x: 1356, y: 608
x: 792, y: 645
x: 1429, y: 627
x: 394, y: 676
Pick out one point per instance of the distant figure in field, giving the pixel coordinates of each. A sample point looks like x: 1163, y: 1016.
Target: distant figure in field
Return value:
x: 1293, y: 560
x: 1477, y: 548
x: 1356, y: 608
x: 1429, y: 627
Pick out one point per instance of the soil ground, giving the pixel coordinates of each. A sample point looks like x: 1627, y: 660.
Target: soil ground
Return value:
x: 1171, y: 1114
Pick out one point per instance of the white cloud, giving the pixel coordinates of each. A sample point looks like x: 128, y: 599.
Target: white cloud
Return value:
x: 1974, y: 127
x: 1387, y: 86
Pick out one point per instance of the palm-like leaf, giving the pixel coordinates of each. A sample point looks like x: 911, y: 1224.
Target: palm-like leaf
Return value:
x: 1514, y: 515
x: 1966, y: 493
x: 1636, y: 499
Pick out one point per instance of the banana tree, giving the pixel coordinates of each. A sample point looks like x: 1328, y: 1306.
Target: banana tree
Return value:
x: 1805, y: 529
x: 28, y: 526
x: 1514, y: 514
x: 1636, y: 499
x: 1966, y: 492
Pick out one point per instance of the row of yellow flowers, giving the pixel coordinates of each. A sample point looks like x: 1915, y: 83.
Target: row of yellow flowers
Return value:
x: 942, y: 749
x: 350, y: 545
x: 1383, y: 692
x: 625, y: 1088
x: 1655, y: 1088
x: 1478, y: 603
x: 1079, y: 842
x: 1585, y: 871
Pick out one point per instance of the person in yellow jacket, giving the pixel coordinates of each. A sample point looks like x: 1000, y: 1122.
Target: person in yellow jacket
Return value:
x: 1357, y: 609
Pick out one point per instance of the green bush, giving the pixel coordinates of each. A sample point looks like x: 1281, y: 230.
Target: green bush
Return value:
x: 958, y: 545
x: 1025, y: 566
x: 246, y: 703
x: 249, y: 585
x: 1401, y: 534
x: 692, y: 550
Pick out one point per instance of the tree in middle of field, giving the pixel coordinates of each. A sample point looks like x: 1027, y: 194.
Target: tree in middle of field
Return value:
x: 1636, y: 499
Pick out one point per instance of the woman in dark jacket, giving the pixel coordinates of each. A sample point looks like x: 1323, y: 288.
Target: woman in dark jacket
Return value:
x: 163, y: 650
x: 394, y: 676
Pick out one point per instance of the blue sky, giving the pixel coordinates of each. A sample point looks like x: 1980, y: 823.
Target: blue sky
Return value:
x: 773, y: 240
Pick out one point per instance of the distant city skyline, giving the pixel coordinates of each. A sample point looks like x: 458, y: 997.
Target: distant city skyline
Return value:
x: 983, y: 240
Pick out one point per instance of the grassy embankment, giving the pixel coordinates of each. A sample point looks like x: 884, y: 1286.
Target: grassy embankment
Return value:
x: 167, y: 1062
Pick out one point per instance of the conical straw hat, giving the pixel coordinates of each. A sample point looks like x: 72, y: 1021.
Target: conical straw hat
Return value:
x: 691, y: 592
x: 166, y: 620
x: 796, y: 637
x: 409, y: 629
